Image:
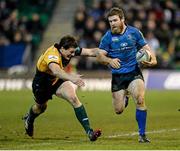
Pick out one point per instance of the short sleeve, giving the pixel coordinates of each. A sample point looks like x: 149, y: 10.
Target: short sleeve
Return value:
x: 140, y: 39
x: 52, y: 56
x: 104, y: 43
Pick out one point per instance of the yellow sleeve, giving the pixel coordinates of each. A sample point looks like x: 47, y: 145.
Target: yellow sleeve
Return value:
x: 52, y: 56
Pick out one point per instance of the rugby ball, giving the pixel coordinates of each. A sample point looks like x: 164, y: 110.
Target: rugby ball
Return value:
x: 142, y: 55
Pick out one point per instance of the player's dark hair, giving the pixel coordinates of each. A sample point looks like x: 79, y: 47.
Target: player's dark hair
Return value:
x: 115, y: 11
x: 67, y: 42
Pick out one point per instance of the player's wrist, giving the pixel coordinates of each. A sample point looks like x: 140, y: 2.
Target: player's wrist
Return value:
x: 109, y: 60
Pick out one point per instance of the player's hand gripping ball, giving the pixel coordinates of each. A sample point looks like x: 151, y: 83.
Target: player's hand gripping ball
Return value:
x: 142, y: 55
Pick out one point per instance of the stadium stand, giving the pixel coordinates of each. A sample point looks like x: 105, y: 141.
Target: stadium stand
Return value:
x: 22, y: 25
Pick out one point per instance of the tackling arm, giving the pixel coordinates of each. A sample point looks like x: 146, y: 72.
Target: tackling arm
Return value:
x: 90, y: 52
x: 59, y: 73
x: 103, y: 59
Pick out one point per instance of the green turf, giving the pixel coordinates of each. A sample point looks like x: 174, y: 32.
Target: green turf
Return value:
x: 58, y: 128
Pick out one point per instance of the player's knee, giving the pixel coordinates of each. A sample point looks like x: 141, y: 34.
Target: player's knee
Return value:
x: 74, y: 100
x: 140, y: 99
x: 119, y: 110
x: 72, y: 97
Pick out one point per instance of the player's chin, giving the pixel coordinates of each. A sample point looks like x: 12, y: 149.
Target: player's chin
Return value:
x: 68, y: 58
x: 114, y: 30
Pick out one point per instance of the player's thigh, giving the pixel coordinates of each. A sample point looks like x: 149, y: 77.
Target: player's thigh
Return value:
x: 118, y: 100
x: 67, y: 91
x: 137, y: 89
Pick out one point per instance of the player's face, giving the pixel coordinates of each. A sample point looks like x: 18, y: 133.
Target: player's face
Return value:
x: 68, y: 53
x: 116, y: 24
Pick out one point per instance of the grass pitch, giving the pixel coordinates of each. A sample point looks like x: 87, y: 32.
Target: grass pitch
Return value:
x: 58, y: 128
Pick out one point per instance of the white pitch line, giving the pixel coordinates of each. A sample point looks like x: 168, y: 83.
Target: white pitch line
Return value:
x: 40, y: 144
x: 150, y: 132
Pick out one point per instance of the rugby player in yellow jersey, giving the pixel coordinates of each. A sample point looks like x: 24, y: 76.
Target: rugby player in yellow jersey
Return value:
x: 50, y: 78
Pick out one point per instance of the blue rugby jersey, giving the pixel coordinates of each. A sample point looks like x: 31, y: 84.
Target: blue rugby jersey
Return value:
x: 123, y: 46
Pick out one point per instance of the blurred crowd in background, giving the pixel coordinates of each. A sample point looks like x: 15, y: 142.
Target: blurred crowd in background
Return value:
x: 159, y: 21
x: 23, y: 22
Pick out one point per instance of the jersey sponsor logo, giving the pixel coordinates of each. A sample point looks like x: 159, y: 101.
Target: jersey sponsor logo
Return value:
x: 52, y: 57
x: 115, y: 39
x: 124, y: 44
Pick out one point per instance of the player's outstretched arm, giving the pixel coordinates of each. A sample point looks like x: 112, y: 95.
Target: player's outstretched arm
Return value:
x: 60, y: 73
x: 103, y: 59
x: 89, y: 52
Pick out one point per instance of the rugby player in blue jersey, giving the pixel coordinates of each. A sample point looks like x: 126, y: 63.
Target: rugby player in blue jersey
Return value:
x: 120, y: 45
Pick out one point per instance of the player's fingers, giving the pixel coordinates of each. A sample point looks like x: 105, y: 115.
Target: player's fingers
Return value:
x: 146, y: 63
x: 115, y: 65
x: 80, y: 83
x: 118, y: 65
x: 118, y: 59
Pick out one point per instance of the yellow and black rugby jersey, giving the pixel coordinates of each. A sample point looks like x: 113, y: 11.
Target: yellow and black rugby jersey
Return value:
x: 50, y: 55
